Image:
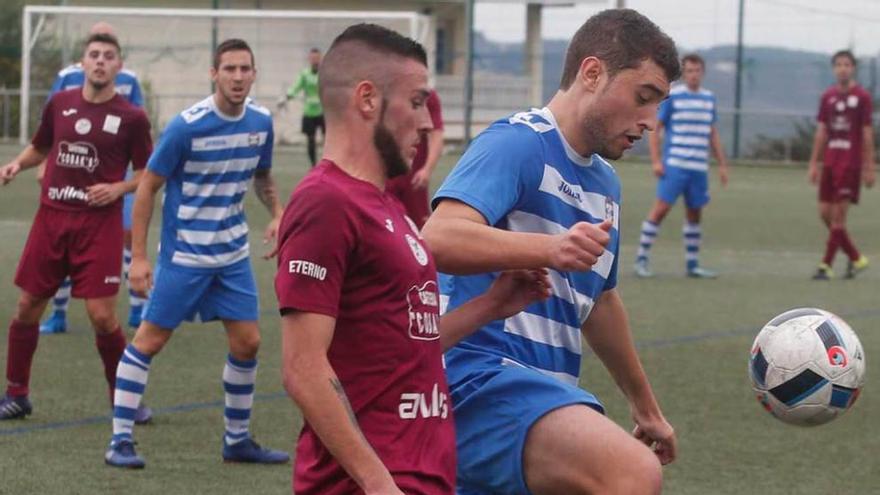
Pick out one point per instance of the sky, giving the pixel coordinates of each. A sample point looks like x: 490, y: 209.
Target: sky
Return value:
x: 813, y: 25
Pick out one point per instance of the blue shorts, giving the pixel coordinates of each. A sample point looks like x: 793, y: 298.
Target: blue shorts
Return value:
x: 693, y: 184
x: 179, y: 294
x: 494, y: 410
x: 127, y: 205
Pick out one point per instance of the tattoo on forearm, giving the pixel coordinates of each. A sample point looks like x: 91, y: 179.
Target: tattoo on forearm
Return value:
x: 334, y: 382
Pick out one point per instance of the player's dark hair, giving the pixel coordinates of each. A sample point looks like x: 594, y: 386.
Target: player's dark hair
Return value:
x: 844, y: 53
x: 102, y: 38
x: 314, y: 50
x: 622, y: 39
x: 694, y: 59
x: 383, y: 40
x: 232, y: 45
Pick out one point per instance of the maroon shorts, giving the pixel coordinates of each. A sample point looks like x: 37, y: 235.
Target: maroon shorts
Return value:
x: 840, y: 183
x: 86, y: 245
x: 415, y: 201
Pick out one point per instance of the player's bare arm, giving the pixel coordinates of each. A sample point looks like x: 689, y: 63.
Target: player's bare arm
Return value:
x: 718, y: 153
x: 463, y: 243
x: 868, y: 164
x: 267, y: 192
x: 28, y: 158
x: 654, y: 147
x: 511, y: 293
x: 820, y: 139
x: 140, y: 274
x: 311, y: 382
x: 104, y: 194
x: 608, y: 333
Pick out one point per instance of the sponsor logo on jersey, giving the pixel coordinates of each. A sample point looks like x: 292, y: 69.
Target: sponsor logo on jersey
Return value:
x: 68, y: 112
x: 67, y: 193
x: 307, y: 268
x: 78, y: 155
x: 423, y: 310
x: 82, y: 126
x: 852, y: 101
x: 417, y: 250
x: 111, y: 124
x: 112, y: 280
x: 416, y: 405
x: 565, y: 188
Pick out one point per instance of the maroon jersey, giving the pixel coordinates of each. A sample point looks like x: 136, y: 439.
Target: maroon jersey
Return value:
x: 845, y: 114
x: 349, y: 251
x: 89, y: 144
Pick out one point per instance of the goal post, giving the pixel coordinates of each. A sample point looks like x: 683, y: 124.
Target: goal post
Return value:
x: 170, y: 49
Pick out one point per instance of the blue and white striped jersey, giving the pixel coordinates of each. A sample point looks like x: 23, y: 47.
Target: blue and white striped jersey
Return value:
x: 208, y: 160
x: 687, y: 117
x: 521, y: 175
x: 73, y: 76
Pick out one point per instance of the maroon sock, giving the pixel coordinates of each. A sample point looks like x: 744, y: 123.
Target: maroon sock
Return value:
x: 831, y: 246
x: 22, y: 344
x: 848, y: 247
x: 110, y: 347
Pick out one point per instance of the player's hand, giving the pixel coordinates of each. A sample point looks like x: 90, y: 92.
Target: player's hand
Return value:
x: 103, y: 194
x: 813, y: 173
x: 270, y: 235
x: 868, y: 175
x: 657, y: 168
x: 421, y: 178
x: 723, y: 174
x: 9, y: 171
x: 658, y: 435
x: 514, y: 290
x: 580, y: 247
x: 140, y: 275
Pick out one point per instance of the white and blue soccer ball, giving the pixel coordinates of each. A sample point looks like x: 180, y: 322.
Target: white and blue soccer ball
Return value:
x: 807, y: 366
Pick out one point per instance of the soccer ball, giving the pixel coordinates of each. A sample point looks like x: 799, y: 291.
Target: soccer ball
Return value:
x: 807, y: 366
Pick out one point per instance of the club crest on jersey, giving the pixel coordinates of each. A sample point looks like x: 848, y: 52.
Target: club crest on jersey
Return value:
x: 82, y: 126
x: 77, y: 155
x: 423, y: 305
x: 417, y: 250
x: 609, y: 209
x: 253, y: 139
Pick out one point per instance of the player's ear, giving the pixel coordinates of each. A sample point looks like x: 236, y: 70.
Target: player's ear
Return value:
x: 590, y: 73
x: 213, y: 74
x: 367, y: 98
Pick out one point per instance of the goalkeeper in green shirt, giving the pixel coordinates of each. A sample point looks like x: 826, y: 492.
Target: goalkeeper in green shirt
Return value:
x: 313, y: 113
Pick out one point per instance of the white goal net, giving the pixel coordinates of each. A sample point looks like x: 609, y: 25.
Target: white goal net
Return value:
x: 170, y: 50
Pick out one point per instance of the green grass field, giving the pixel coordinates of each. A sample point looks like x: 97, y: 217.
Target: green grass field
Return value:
x: 761, y: 233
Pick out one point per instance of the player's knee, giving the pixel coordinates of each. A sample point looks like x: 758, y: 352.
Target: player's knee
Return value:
x: 245, y: 346
x: 104, y: 321
x: 646, y: 475
x: 29, y: 308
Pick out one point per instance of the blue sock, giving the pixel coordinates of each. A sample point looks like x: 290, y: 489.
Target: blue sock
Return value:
x: 131, y: 381
x: 238, y: 384
x: 693, y: 235
x: 646, y: 241
x: 62, y: 297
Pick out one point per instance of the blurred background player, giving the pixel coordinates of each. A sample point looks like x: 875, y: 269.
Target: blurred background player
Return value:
x: 207, y: 156
x: 313, y: 114
x: 412, y: 189
x: 126, y: 85
x: 535, y: 190
x: 845, y: 139
x: 357, y: 288
x: 687, y: 120
x: 87, y: 136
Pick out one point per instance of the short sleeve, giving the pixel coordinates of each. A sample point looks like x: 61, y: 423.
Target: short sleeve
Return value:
x: 137, y: 96
x: 141, y: 141
x: 43, y: 138
x: 494, y: 171
x: 611, y: 281
x: 266, y: 155
x: 435, y: 110
x: 318, y: 236
x: 867, y: 110
x: 714, y: 110
x: 664, y: 111
x: 822, y: 116
x: 171, y: 150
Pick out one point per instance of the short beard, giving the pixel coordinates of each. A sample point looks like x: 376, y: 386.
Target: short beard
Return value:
x: 389, y: 151
x: 98, y: 86
x: 596, y: 136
